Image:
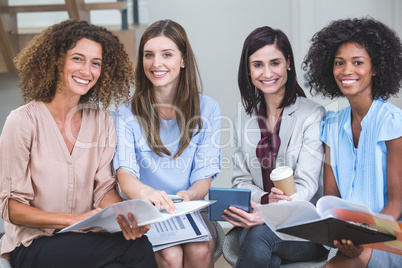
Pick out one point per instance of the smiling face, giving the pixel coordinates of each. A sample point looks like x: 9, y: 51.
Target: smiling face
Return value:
x: 353, y: 70
x: 268, y: 70
x: 162, y: 61
x: 82, y: 68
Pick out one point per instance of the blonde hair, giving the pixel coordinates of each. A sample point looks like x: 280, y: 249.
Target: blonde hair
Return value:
x: 187, y: 99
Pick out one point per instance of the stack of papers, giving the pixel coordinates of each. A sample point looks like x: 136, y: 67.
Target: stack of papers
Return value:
x: 186, y: 225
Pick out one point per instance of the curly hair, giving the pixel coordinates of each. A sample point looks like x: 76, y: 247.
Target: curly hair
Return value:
x: 42, y: 60
x: 257, y: 39
x: 381, y: 43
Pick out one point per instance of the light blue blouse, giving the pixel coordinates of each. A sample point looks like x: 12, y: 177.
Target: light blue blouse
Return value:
x: 361, y: 173
x: 200, y: 160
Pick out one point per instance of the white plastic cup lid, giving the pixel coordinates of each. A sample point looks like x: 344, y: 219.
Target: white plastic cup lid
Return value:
x: 280, y: 173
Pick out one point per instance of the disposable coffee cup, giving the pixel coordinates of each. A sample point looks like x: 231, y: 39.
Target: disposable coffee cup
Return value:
x: 282, y: 177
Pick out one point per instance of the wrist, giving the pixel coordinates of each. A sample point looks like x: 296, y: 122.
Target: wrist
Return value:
x: 144, y: 192
x: 67, y: 220
x: 187, y: 194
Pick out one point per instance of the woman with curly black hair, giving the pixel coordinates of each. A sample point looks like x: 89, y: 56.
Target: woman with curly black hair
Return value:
x: 362, y: 60
x: 56, y: 153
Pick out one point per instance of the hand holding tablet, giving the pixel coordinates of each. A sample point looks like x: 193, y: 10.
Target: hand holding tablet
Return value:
x: 226, y: 197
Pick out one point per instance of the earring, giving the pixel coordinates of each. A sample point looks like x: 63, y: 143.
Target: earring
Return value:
x: 289, y: 69
x: 182, y: 67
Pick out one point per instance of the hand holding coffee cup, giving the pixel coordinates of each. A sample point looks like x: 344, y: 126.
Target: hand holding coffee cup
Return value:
x: 282, y: 177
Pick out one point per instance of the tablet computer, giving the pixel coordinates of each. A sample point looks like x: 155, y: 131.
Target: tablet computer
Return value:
x: 226, y: 197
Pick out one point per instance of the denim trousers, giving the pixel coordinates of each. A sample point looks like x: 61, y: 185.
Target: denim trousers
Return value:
x: 385, y: 259
x: 261, y: 247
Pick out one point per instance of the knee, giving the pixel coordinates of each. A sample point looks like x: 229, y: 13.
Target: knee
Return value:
x: 143, y: 242
x: 260, y: 235
x: 258, y: 245
x: 201, y: 251
x: 254, y: 233
x: 199, y: 254
x: 138, y: 252
x: 170, y: 257
x: 330, y: 264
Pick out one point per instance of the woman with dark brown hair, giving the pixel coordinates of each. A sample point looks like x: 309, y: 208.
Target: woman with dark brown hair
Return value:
x: 56, y: 153
x: 168, y: 135
x: 278, y: 126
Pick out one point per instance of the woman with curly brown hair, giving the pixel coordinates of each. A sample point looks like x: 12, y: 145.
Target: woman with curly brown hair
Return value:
x: 56, y: 153
x: 362, y: 60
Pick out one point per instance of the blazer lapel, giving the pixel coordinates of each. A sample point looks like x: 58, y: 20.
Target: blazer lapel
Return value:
x: 254, y: 138
x: 255, y: 135
x: 287, y: 127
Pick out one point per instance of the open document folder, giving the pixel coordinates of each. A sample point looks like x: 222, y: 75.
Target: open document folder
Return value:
x: 178, y: 230
x: 333, y: 219
x: 144, y: 213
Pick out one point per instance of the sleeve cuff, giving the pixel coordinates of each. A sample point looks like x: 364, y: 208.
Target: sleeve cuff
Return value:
x: 264, y: 199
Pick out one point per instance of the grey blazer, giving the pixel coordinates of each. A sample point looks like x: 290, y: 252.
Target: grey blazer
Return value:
x: 300, y: 148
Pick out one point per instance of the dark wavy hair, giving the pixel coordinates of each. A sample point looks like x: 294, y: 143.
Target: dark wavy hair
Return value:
x: 257, y: 39
x: 381, y: 43
x: 187, y: 98
x: 42, y: 60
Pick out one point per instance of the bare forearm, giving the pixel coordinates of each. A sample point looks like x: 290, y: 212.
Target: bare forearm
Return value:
x: 394, y: 183
x: 130, y: 185
x: 393, y: 209
x: 199, y: 189
x: 21, y: 214
x: 135, y: 189
x: 110, y: 198
x: 330, y: 185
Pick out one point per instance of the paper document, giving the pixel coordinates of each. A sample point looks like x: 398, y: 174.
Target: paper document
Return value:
x: 177, y: 230
x: 144, y: 213
x: 333, y: 219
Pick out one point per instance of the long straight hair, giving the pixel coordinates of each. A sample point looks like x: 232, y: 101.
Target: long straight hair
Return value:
x: 187, y: 99
x: 257, y: 39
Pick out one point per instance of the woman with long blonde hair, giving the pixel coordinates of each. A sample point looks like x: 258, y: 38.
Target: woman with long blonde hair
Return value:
x: 168, y: 135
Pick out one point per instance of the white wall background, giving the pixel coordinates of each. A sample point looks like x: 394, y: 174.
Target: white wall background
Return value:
x: 217, y: 29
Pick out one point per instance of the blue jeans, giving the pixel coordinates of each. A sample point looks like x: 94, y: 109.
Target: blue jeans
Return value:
x: 385, y: 259
x: 261, y: 247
